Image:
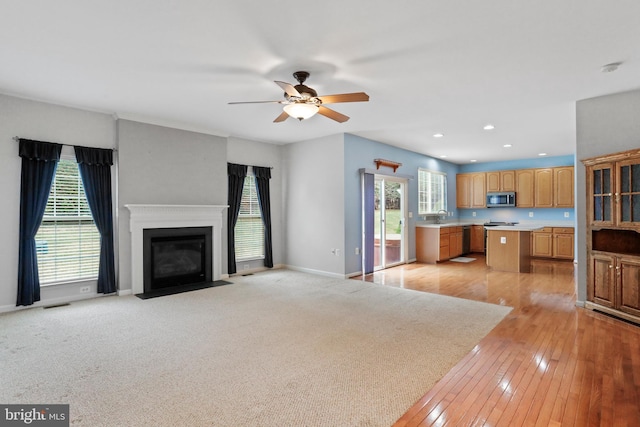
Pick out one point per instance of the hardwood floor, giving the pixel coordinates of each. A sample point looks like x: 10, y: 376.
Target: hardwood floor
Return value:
x: 548, y: 363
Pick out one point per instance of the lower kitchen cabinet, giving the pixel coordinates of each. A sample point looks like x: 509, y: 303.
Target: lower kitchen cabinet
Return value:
x: 563, y: 245
x: 615, y: 282
x: 542, y: 242
x: 553, y: 242
x: 435, y: 244
x: 455, y: 242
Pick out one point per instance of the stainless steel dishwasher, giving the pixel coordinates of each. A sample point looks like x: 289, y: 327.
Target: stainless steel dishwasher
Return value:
x: 466, y: 239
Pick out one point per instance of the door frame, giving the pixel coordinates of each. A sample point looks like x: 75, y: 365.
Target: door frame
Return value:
x: 405, y: 240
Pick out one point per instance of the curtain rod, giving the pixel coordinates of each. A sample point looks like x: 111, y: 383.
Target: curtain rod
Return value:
x: 17, y: 139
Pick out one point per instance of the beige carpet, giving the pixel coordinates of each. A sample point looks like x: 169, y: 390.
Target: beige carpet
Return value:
x: 279, y: 348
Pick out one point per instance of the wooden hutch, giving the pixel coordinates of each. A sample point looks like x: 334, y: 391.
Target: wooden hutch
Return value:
x: 613, y: 234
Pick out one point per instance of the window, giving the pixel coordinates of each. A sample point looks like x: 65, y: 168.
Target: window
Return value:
x: 249, y: 231
x: 432, y: 192
x: 67, y: 242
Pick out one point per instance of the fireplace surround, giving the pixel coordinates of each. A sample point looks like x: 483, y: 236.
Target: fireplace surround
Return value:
x: 149, y: 217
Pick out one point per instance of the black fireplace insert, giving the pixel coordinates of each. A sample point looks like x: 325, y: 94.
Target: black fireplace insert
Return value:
x: 176, y: 257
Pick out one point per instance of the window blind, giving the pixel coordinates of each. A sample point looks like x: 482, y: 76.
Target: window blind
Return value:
x: 67, y: 242
x: 249, y: 231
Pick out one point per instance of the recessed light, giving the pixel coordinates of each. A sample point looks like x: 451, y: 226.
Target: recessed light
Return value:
x: 444, y: 156
x: 542, y: 154
x: 438, y: 135
x: 489, y: 127
x: 507, y: 145
x: 473, y: 161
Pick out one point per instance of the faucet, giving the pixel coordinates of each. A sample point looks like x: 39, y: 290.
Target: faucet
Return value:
x: 441, y: 218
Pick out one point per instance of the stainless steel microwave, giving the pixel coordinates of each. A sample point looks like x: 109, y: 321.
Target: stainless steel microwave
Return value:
x: 501, y: 200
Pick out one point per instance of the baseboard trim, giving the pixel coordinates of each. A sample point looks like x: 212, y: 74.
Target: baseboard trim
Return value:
x: 48, y: 302
x: 318, y: 272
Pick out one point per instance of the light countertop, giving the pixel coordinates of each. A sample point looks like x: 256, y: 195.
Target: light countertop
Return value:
x: 446, y: 224
x: 518, y: 227
x: 521, y: 226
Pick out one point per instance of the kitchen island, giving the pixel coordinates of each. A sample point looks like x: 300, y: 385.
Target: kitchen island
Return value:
x: 509, y: 247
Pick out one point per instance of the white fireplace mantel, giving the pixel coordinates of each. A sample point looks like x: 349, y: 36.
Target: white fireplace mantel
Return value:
x: 172, y: 216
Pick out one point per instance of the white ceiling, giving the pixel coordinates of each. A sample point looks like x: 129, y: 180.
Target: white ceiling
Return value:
x: 428, y: 66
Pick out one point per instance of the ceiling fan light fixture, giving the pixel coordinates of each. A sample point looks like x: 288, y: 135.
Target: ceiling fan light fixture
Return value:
x: 301, y: 110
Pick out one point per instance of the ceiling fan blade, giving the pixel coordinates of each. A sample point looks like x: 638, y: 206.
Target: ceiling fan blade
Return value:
x: 334, y: 115
x: 281, y: 118
x: 289, y: 89
x: 344, y: 97
x: 257, y: 102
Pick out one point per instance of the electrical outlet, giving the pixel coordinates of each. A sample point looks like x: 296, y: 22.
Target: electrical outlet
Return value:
x: 530, y: 214
x: 410, y: 214
x: 337, y: 252
x: 566, y: 214
x: 85, y: 289
x: 357, y: 251
x: 503, y: 240
x: 473, y: 214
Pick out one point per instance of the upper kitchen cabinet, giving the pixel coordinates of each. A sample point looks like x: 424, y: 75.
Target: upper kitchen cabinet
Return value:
x: 543, y: 188
x: 471, y: 190
x: 553, y: 187
x: 501, y: 181
x: 534, y: 188
x: 563, y: 187
x: 524, y: 188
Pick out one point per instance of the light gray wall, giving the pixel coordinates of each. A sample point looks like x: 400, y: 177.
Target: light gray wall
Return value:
x: 160, y: 165
x: 44, y: 122
x: 313, y: 192
x: 607, y: 124
x: 253, y: 153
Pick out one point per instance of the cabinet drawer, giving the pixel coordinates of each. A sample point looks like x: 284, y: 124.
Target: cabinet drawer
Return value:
x: 544, y: 230
x: 563, y: 230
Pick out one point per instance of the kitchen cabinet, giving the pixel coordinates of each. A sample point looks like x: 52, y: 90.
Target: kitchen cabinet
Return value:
x: 613, y: 234
x: 477, y: 238
x: 542, y: 243
x: 563, y: 187
x: 539, y: 188
x: 434, y: 244
x: 553, y: 242
x: 471, y: 190
x: 543, y: 188
x: 455, y: 242
x: 524, y: 188
x: 563, y: 242
x: 501, y: 181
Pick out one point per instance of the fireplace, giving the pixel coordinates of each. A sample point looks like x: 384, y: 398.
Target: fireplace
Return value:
x: 176, y: 256
x: 148, y: 217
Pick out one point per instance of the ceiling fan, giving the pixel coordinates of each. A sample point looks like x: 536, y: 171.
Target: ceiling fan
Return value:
x: 302, y: 102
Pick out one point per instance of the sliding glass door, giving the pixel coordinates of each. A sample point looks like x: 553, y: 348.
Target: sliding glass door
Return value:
x: 389, y: 221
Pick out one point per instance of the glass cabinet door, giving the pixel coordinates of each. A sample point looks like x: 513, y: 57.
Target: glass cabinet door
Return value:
x: 628, y: 192
x: 602, y: 193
